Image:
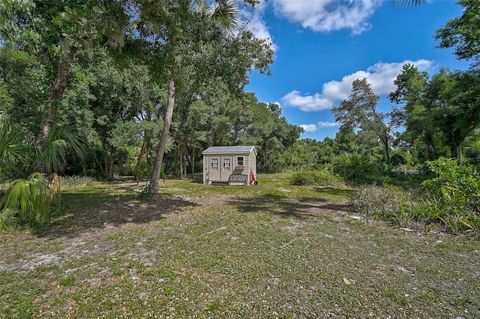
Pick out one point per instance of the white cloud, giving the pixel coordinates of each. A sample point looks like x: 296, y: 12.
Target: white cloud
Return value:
x: 380, y: 76
x: 251, y: 19
x: 315, y: 127
x: 328, y: 15
x: 307, y: 103
x: 328, y: 124
x: 316, y: 15
x: 308, y: 127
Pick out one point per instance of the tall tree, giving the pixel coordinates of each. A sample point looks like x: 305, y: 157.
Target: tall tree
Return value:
x: 413, y: 113
x: 463, y: 33
x: 172, y: 27
x: 359, y: 111
x: 439, y: 111
x: 456, y: 106
x: 119, y: 94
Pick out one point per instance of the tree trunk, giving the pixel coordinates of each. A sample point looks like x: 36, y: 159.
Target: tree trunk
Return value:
x: 98, y: 163
x: 193, y: 161
x: 164, y: 138
x: 456, y: 141
x: 143, y: 150
x: 387, y: 150
x: 453, y: 150
x: 108, y: 161
x: 431, y: 149
x: 180, y: 163
x: 105, y: 163
x: 108, y: 166
x: 185, y: 164
x: 56, y: 94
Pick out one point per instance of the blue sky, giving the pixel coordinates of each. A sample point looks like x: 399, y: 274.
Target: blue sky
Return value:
x: 322, y: 45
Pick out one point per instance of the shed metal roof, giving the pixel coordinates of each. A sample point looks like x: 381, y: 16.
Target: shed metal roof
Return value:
x: 229, y: 150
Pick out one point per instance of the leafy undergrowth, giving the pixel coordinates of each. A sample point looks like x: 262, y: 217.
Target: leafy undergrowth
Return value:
x: 275, y: 250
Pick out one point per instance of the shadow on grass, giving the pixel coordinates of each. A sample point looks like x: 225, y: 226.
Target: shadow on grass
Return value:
x: 196, y: 178
x: 282, y: 206
x: 96, y: 209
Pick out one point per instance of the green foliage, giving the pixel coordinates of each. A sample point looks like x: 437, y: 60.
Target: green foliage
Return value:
x: 387, y: 203
x: 452, y: 196
x: 359, y: 112
x: 438, y: 113
x: 357, y: 168
x: 400, y: 157
x: 8, y: 219
x: 462, y: 33
x: 53, y: 157
x: 6, y: 100
x: 320, y: 178
x: 27, y: 202
x: 17, y: 158
x: 14, y: 152
x: 145, y: 193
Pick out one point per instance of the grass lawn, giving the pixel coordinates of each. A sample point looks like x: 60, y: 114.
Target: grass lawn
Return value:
x: 273, y: 250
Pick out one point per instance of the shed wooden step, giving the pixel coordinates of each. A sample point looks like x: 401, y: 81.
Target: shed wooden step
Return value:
x: 219, y: 183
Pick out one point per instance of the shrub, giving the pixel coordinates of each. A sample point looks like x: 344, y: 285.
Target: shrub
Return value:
x: 27, y: 201
x: 145, y: 192
x: 388, y: 203
x: 452, y: 197
x: 14, y: 152
x: 400, y: 157
x: 356, y: 168
x: 8, y: 219
x: 323, y: 177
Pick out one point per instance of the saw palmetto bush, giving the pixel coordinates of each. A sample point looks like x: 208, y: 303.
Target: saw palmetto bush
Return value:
x: 452, y: 196
x: 451, y: 199
x: 19, y: 159
x: 54, y: 154
x: 28, y: 201
x: 14, y: 152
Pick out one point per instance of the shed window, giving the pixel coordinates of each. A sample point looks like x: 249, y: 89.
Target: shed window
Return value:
x: 240, y: 160
x: 226, y: 164
x: 214, y: 164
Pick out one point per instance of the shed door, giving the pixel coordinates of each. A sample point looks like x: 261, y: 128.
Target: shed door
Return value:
x: 227, y: 167
x: 214, y: 168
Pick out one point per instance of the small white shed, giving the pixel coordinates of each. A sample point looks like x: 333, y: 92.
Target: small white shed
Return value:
x: 232, y: 165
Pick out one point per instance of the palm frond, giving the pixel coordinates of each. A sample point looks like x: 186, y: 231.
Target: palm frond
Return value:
x: 54, y: 155
x: 225, y: 14
x: 201, y: 6
x: 29, y: 200
x: 13, y: 150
